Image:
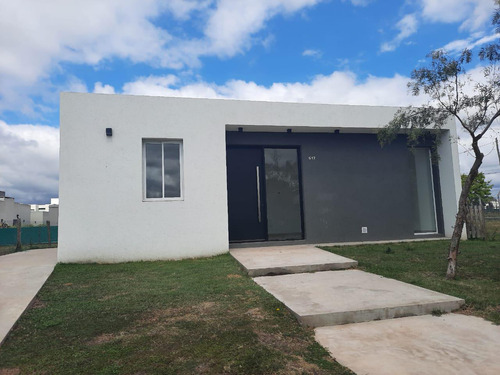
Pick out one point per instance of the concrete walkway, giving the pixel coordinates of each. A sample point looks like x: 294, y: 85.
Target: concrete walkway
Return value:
x: 352, y: 296
x: 376, y: 344
x: 21, y: 277
x: 448, y: 344
x: 278, y: 260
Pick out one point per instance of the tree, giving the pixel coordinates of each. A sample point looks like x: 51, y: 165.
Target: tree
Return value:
x: 474, y: 103
x: 480, y: 190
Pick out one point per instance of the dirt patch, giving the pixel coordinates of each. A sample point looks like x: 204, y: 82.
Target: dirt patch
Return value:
x: 234, y: 276
x: 470, y: 310
x: 202, y: 368
x: 299, y: 366
x: 256, y: 314
x: 107, y: 298
x: 467, y: 310
x: 103, y: 339
x: 9, y: 371
x: 201, y: 312
x: 289, y: 345
x: 38, y: 304
x: 205, y: 306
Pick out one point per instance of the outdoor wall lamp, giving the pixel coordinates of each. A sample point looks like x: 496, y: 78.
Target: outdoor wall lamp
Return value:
x: 109, y: 132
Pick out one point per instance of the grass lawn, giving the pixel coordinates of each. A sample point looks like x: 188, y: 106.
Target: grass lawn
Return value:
x: 201, y: 316
x: 424, y: 264
x: 493, y: 228
x: 4, y: 250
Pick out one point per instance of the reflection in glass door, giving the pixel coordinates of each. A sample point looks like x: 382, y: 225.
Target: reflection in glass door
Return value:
x: 284, y: 217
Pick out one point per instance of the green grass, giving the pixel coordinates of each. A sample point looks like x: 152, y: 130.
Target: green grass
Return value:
x: 4, y: 250
x: 424, y: 264
x: 493, y: 228
x: 181, y: 317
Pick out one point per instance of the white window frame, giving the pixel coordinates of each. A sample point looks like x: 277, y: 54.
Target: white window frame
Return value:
x: 181, y: 166
x: 433, y: 199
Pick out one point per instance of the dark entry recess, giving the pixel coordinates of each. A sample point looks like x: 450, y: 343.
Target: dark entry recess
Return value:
x: 264, y: 194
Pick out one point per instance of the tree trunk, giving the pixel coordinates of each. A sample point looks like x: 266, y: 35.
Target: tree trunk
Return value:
x: 460, y: 219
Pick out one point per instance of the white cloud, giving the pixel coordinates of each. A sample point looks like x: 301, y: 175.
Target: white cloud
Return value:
x: 75, y: 84
x: 473, y: 14
x: 29, y: 162
x: 312, y: 53
x: 471, y: 42
x: 338, y: 88
x: 44, y: 34
x: 359, y: 2
x: 230, y: 28
x: 82, y: 31
x: 99, y: 88
x: 182, y: 9
x: 407, y: 26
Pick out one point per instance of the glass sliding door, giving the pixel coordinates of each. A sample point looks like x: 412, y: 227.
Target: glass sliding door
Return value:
x: 284, y: 216
x: 424, y: 203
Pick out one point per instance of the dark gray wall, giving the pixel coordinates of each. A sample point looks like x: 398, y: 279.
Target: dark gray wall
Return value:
x: 349, y: 182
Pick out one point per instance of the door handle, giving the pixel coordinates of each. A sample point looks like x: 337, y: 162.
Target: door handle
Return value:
x: 257, y: 170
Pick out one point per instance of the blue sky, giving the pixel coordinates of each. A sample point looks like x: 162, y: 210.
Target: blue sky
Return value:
x: 330, y: 51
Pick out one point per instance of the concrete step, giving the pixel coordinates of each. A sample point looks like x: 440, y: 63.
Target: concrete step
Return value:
x: 446, y: 344
x: 279, y: 260
x: 340, y: 297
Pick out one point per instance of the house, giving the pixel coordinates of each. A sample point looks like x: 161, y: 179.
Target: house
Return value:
x: 175, y: 178
x: 9, y: 209
x: 41, y: 213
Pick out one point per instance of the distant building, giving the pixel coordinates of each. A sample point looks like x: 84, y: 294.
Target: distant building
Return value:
x: 494, y: 204
x: 9, y: 209
x: 40, y: 213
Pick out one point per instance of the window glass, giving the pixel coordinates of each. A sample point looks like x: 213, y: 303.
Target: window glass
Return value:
x: 425, y: 210
x: 162, y: 170
x: 172, y: 170
x: 282, y: 194
x: 153, y: 170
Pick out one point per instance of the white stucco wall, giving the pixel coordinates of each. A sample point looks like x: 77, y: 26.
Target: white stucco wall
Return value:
x: 449, y: 173
x: 53, y: 215
x: 9, y: 208
x: 102, y: 214
x: 40, y: 213
x: 38, y: 217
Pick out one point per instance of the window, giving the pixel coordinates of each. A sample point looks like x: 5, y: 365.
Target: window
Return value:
x: 424, y: 203
x: 162, y: 170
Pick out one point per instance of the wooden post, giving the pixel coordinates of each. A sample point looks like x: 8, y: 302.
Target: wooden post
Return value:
x: 475, y: 222
x: 19, y: 245
x: 48, y: 232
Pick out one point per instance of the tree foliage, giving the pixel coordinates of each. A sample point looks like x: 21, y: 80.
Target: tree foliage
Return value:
x: 472, y: 100
x: 480, y: 190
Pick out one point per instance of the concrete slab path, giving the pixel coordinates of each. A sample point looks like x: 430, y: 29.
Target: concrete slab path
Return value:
x: 449, y: 344
x: 279, y: 260
x: 21, y: 277
x: 375, y: 344
x: 351, y: 296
